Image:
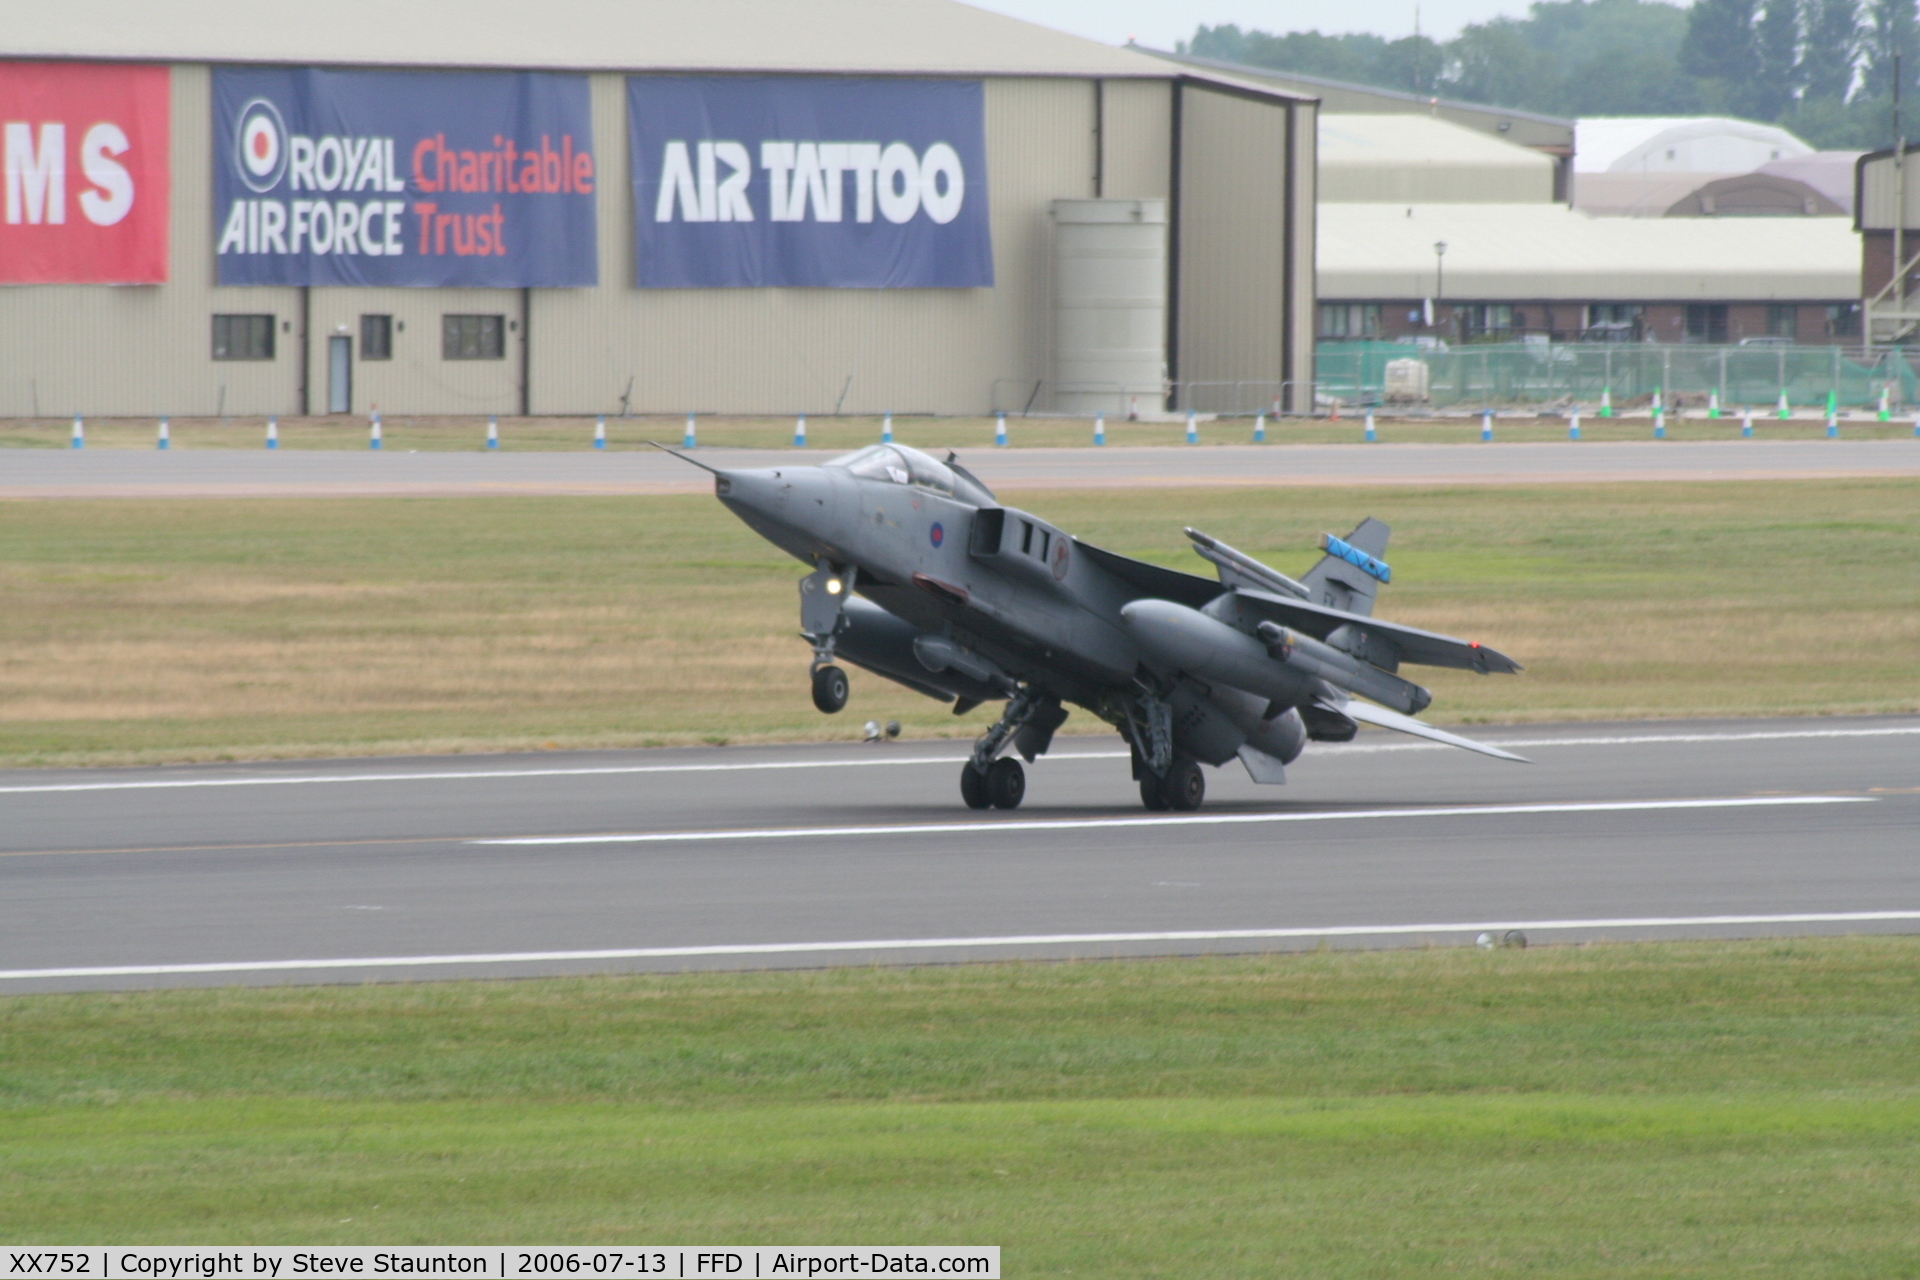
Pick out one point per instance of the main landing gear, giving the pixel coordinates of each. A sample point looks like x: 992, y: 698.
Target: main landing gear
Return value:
x: 1182, y: 790
x: 989, y: 783
x: 1002, y: 786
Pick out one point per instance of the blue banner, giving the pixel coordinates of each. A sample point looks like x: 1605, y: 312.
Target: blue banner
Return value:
x: 463, y: 178
x: 808, y: 181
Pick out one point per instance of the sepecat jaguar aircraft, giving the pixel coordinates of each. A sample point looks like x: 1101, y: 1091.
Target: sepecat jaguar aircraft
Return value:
x: 921, y: 575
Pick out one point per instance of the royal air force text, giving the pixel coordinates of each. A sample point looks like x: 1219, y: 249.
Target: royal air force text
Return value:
x: 358, y: 168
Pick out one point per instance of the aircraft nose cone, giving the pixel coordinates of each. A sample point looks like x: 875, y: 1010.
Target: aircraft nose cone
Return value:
x: 791, y: 506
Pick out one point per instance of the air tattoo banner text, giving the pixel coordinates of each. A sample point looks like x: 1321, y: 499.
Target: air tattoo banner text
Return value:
x: 523, y: 1262
x: 458, y: 178
x: 808, y: 181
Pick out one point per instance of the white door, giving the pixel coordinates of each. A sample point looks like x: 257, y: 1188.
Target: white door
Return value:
x: 339, y: 375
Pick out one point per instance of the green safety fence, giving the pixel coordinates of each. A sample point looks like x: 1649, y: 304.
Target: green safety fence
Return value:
x: 1524, y: 373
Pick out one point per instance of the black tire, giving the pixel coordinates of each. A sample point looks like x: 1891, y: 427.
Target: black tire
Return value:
x: 973, y: 787
x: 1185, y: 786
x: 1006, y: 783
x: 829, y: 689
x: 1153, y: 793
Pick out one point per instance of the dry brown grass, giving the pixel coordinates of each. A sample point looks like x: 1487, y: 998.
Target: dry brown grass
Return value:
x: 135, y: 630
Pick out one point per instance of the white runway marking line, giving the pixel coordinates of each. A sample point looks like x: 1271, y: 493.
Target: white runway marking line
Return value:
x: 1194, y: 820
x: 269, y: 780
x: 930, y: 944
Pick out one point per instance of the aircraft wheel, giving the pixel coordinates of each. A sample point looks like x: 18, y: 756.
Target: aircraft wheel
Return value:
x: 1153, y: 792
x: 829, y: 689
x: 973, y: 787
x: 1185, y: 786
x: 1006, y: 783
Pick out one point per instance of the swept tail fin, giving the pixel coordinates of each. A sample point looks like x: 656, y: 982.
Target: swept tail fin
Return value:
x: 1351, y: 571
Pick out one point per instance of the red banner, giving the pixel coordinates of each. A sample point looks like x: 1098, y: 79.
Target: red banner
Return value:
x: 85, y: 153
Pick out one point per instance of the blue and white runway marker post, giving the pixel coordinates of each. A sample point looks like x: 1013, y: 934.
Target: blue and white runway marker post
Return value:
x: 163, y: 441
x: 600, y: 432
x: 493, y: 433
x: 79, y: 433
x: 1659, y: 423
x: 273, y: 432
x: 1573, y: 425
x: 1193, y: 429
x: 1833, y: 423
x: 1369, y: 435
x: 373, y: 433
x: 1260, y: 428
x: 886, y: 429
x: 999, y: 430
x: 800, y: 432
x: 1099, y: 429
x: 1746, y: 423
x: 1486, y: 426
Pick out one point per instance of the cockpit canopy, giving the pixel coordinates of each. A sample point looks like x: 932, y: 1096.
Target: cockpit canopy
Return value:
x: 900, y: 464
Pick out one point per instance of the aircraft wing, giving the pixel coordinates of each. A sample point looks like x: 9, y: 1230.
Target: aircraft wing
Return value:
x: 1152, y: 580
x: 1426, y: 648
x: 1367, y: 713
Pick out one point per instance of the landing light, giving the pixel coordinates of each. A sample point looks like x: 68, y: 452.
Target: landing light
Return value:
x: 835, y: 586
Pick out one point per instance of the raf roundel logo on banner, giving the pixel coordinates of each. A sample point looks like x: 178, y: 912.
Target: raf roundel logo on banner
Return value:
x: 938, y: 534
x: 260, y: 145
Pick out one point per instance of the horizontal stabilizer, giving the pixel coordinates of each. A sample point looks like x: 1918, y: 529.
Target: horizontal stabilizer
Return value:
x: 1367, y: 713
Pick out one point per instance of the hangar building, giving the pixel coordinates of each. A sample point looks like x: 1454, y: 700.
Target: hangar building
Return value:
x: 585, y: 206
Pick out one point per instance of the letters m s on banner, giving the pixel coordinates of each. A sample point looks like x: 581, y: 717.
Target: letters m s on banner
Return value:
x: 808, y: 181
x: 85, y: 149
x: 458, y: 178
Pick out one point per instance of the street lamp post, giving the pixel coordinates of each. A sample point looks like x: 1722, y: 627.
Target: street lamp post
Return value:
x: 1439, y: 277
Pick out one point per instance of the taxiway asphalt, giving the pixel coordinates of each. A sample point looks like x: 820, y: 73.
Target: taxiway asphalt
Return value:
x: 785, y: 856
x: 232, y: 473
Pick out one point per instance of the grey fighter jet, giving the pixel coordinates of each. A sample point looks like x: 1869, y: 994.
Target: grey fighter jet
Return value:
x: 921, y: 575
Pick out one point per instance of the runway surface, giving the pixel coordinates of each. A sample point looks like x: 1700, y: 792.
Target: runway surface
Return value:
x: 108, y: 473
x: 786, y: 856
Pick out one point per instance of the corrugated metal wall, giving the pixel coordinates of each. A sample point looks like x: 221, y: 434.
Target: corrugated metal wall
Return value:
x: 1880, y: 193
x: 417, y: 379
x: 147, y: 349
x: 1302, y: 279
x: 799, y: 350
x: 1232, y: 240
x: 1138, y: 128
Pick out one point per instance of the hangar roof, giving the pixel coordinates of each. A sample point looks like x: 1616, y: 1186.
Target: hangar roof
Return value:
x: 928, y: 37
x: 1420, y: 158
x: 1547, y: 252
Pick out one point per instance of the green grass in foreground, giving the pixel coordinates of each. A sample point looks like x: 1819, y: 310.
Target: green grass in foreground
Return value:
x: 1680, y: 1109
x: 172, y: 629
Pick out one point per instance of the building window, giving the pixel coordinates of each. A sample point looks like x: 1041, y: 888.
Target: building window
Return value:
x: 243, y: 337
x: 473, y: 337
x: 1783, y: 322
x: 1486, y: 318
x: 376, y: 337
x: 1349, y: 319
x: 1707, y: 322
x: 1843, y: 320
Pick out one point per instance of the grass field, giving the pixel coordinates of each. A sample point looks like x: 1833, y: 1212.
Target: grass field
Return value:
x: 1696, y: 1109
x: 144, y: 630
x: 832, y: 434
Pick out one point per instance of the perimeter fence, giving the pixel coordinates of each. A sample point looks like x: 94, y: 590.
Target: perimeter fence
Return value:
x: 1518, y: 374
